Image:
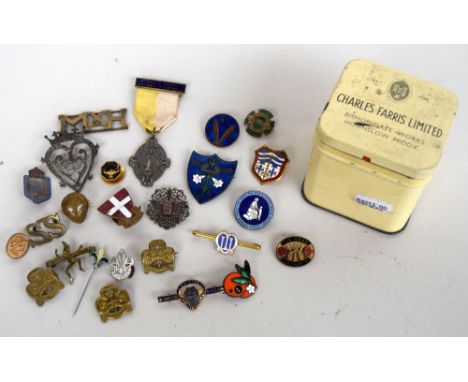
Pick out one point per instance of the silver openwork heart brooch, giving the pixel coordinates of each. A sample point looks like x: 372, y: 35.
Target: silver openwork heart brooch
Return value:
x: 70, y: 158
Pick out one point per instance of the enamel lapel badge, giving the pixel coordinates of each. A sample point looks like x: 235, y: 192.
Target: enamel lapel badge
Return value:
x: 240, y: 284
x: 259, y: 122
x: 254, y: 210
x: 37, y: 186
x: 121, y: 209
x: 269, y: 164
x: 222, y: 130
x: 209, y: 176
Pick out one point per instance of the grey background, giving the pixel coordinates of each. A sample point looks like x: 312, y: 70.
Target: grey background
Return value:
x: 361, y: 282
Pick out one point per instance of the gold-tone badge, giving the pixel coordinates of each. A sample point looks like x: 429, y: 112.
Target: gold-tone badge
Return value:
x: 158, y: 257
x: 295, y: 251
x: 113, y: 302
x: 75, y: 207
x: 45, y: 230
x: 92, y: 122
x: 43, y: 285
x: 112, y: 172
x: 69, y: 257
x: 226, y: 242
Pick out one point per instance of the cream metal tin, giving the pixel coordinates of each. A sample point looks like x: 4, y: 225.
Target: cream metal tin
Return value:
x: 377, y: 144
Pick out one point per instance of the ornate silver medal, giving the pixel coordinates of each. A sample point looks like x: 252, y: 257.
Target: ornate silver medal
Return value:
x: 149, y: 162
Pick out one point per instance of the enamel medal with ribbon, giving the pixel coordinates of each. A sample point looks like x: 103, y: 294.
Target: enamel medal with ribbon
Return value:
x: 156, y: 105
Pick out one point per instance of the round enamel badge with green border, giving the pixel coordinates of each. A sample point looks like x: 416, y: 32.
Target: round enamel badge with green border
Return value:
x: 259, y: 122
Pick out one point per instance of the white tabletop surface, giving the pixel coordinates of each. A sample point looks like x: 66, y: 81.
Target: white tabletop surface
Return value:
x: 361, y: 282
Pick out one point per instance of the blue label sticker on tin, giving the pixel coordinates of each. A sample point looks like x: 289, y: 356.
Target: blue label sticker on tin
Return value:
x: 254, y: 210
x: 222, y: 130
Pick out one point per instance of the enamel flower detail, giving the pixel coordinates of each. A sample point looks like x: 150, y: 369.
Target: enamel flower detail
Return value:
x: 250, y: 289
x: 197, y: 178
x: 217, y: 183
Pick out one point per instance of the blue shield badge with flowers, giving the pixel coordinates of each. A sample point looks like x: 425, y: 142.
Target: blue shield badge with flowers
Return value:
x: 209, y: 176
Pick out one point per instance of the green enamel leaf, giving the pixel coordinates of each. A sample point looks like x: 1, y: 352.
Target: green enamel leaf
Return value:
x: 247, y: 268
x: 241, y: 280
x: 245, y: 272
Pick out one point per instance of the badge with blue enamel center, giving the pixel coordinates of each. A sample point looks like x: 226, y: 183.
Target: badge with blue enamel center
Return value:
x: 222, y: 130
x: 254, y: 210
x: 209, y: 176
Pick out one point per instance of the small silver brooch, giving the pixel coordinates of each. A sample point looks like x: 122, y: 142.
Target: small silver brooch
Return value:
x: 122, y: 266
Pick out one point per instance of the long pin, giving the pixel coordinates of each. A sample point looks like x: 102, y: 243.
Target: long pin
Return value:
x: 99, y: 259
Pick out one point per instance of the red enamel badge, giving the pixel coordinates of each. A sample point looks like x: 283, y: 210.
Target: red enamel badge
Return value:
x: 269, y: 164
x: 119, y: 206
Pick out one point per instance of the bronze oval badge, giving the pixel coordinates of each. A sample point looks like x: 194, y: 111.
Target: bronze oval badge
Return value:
x: 17, y: 245
x: 295, y: 251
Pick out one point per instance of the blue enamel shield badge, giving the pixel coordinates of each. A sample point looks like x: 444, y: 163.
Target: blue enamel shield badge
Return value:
x: 37, y: 186
x: 209, y: 176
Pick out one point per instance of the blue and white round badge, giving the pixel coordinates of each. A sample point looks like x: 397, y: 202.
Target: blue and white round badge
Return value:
x: 254, y: 210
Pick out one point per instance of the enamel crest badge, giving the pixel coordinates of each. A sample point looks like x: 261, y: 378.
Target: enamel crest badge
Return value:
x: 37, y: 186
x: 209, y: 176
x: 269, y: 164
x: 121, y: 209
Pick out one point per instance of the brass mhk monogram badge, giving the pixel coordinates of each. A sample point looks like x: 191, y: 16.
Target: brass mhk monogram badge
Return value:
x: 91, y: 122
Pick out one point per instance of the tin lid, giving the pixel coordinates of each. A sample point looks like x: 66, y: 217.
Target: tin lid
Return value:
x: 388, y: 118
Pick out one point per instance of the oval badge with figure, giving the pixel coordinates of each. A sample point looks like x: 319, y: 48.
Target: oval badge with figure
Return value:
x: 209, y: 176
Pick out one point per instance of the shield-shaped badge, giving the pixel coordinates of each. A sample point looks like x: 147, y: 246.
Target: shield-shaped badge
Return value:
x: 269, y: 164
x: 37, y: 186
x: 118, y: 206
x: 121, y: 209
x: 209, y: 176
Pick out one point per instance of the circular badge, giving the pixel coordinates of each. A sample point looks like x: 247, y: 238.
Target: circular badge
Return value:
x: 254, y: 210
x: 295, y: 251
x: 222, y: 130
x: 259, y: 122
x: 17, y: 245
